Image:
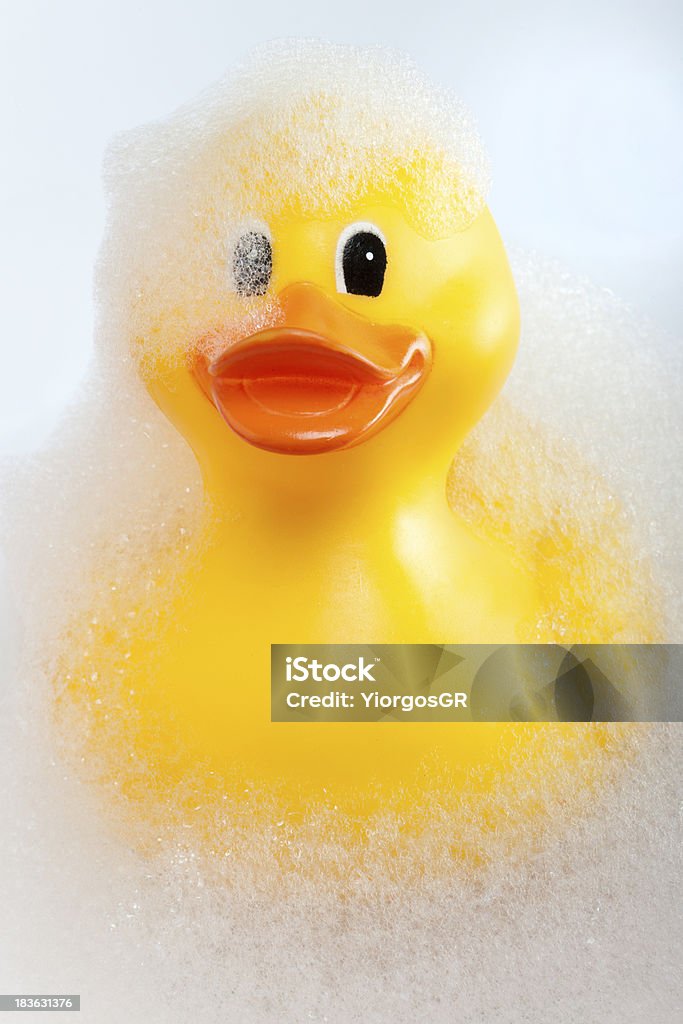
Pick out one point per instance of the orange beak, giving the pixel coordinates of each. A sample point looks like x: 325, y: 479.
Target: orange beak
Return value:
x: 324, y: 379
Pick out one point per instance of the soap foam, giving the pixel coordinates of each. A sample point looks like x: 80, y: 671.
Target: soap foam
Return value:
x: 586, y: 926
x: 579, y: 920
x: 302, y: 127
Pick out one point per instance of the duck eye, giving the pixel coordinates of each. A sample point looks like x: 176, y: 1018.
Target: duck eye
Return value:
x: 252, y: 263
x: 361, y: 260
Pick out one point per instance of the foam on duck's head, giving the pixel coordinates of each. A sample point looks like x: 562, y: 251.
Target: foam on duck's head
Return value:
x: 319, y: 136
x: 302, y: 127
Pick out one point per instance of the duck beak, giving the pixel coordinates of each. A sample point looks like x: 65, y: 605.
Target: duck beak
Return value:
x: 322, y: 380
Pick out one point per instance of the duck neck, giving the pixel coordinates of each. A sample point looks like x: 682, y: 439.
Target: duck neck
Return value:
x: 277, y: 499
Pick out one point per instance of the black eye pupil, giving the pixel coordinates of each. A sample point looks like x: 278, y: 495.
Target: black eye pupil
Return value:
x: 364, y: 262
x: 252, y: 264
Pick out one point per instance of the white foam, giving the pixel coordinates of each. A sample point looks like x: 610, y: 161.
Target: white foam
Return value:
x: 583, y: 442
x: 249, y: 149
x: 589, y: 927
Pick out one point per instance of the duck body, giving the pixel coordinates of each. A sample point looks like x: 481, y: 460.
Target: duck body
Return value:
x: 349, y: 581
x: 324, y: 377
x: 347, y: 546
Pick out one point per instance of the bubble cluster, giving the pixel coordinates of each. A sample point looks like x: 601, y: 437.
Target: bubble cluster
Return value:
x: 302, y: 128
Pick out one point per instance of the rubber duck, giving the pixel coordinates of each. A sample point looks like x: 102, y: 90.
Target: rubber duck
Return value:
x: 325, y: 428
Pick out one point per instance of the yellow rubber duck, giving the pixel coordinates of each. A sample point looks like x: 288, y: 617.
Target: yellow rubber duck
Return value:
x: 325, y: 431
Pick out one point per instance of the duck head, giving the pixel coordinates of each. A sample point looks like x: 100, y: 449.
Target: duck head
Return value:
x: 353, y: 314
x: 383, y: 346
